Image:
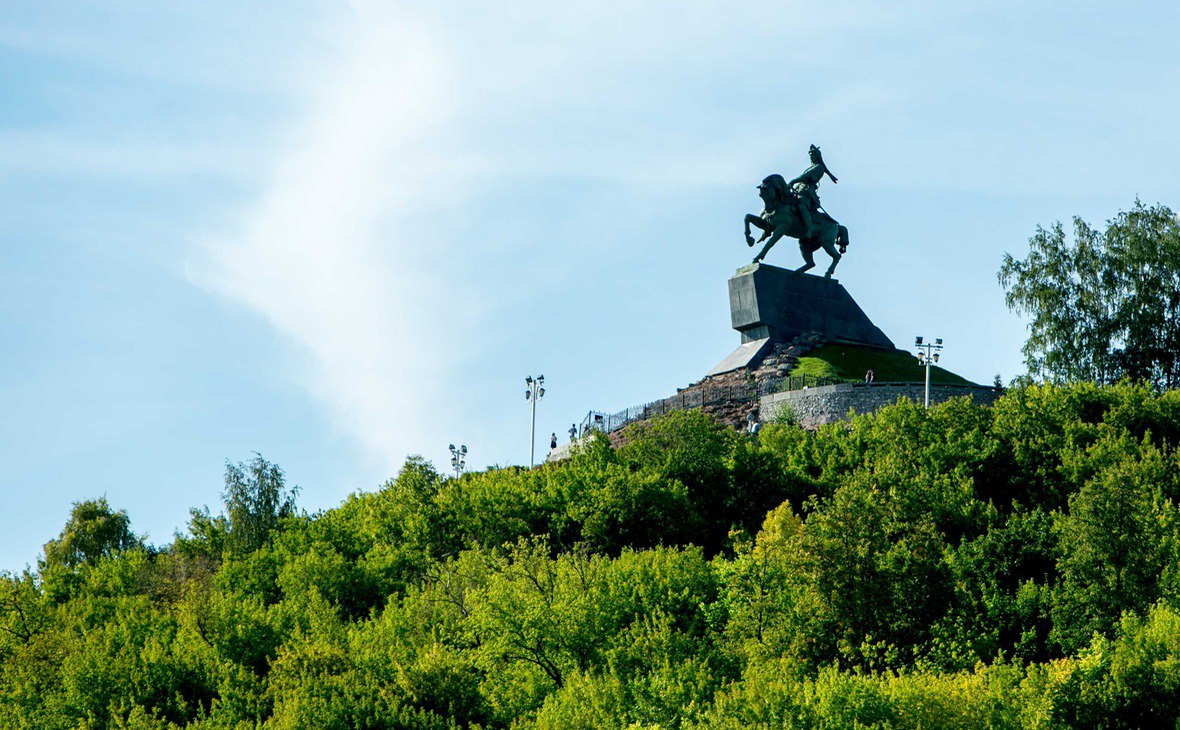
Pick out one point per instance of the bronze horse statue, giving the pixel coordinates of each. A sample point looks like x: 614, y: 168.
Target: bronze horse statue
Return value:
x: 792, y: 209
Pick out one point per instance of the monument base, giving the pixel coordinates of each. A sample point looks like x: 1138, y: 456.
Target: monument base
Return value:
x: 747, y: 355
x: 778, y: 305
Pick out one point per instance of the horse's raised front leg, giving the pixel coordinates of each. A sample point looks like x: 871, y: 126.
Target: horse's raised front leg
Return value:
x: 769, y: 245
x: 758, y: 223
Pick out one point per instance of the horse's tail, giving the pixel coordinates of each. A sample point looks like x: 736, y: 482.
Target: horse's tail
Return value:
x: 842, y: 237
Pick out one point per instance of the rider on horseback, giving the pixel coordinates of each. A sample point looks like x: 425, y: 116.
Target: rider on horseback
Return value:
x: 792, y: 209
x: 806, y: 188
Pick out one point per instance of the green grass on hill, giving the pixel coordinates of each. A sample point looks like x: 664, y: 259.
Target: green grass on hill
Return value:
x: 850, y: 362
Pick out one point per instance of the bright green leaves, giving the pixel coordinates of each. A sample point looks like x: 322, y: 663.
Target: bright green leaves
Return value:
x: 1105, y: 305
x: 94, y: 531
x: 1017, y: 565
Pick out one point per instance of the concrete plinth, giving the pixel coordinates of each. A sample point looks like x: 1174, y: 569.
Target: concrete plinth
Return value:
x: 779, y: 304
x: 747, y: 354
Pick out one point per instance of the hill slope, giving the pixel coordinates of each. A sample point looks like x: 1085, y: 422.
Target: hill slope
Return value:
x: 850, y: 362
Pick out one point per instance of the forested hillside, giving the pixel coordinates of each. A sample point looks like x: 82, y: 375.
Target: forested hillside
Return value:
x: 1011, y: 566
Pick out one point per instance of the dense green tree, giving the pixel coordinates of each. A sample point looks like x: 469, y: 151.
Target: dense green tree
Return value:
x: 1104, y: 305
x: 256, y: 500
x: 1116, y: 540
x: 697, y: 451
x: 207, y: 538
x: 608, y: 505
x: 1002, y: 582
x: 879, y: 582
x: 94, y: 531
x: 1128, y: 680
x: 764, y: 596
x: 23, y: 613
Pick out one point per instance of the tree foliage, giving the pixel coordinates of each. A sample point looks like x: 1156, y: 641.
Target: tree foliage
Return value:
x: 256, y: 499
x: 1104, y: 305
x: 966, y: 566
x: 93, y: 532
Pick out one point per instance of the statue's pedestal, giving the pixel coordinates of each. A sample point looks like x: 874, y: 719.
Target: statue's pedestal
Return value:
x: 769, y: 305
x: 779, y: 304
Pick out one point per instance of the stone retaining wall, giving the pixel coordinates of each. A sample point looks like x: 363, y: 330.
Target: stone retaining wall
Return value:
x: 814, y: 407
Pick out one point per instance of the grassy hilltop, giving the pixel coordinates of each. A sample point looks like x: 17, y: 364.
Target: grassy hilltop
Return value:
x: 1006, y: 566
x: 851, y: 362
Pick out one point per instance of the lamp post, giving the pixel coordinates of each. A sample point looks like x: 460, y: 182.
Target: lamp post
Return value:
x: 535, y: 392
x: 458, y: 460
x: 928, y: 355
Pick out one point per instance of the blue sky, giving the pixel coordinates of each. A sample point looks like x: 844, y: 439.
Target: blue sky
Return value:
x: 338, y: 234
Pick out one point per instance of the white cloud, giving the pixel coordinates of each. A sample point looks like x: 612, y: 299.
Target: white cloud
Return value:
x: 311, y: 255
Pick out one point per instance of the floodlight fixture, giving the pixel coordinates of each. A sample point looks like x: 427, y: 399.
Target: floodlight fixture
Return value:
x: 458, y: 459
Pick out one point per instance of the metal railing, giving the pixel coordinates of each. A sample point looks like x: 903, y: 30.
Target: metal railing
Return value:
x: 685, y: 400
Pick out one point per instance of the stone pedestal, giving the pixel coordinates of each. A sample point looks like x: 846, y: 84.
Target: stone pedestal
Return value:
x: 769, y: 303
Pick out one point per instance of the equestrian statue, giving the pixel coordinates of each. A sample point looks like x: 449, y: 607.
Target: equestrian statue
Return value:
x: 793, y: 209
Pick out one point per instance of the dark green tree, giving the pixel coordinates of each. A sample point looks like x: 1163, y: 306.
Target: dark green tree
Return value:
x: 693, y: 449
x: 1105, y: 305
x: 1116, y: 540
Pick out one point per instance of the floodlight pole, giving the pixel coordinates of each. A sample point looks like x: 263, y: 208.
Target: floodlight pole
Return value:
x: 927, y: 355
x: 458, y: 459
x: 926, y: 400
x: 535, y: 392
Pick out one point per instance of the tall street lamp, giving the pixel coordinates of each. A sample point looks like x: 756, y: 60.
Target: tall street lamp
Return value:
x: 928, y: 355
x: 535, y: 392
x: 458, y: 460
